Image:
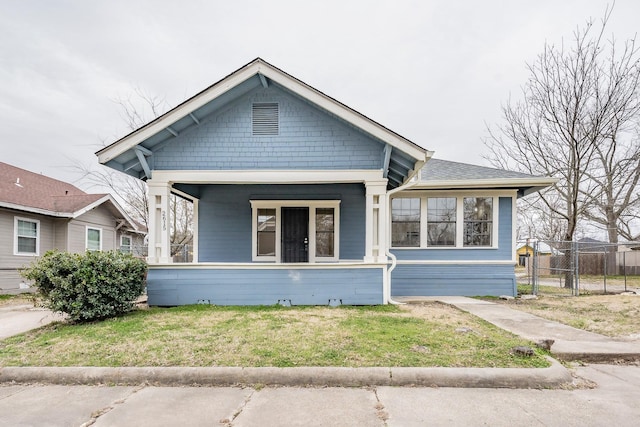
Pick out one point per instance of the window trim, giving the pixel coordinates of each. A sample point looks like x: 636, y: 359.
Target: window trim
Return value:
x: 15, y: 236
x: 86, y: 237
x: 278, y: 205
x: 459, y: 196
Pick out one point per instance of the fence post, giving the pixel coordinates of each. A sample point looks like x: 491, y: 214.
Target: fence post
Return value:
x: 534, y: 281
x: 624, y: 266
x: 605, y: 272
x: 576, y: 269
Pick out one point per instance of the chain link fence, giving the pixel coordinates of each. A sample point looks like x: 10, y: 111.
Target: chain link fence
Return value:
x: 572, y: 268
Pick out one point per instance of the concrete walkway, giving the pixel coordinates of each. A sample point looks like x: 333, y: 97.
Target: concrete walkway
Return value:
x: 16, y: 319
x: 570, y: 343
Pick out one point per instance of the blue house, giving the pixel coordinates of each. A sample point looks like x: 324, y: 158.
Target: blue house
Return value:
x: 299, y: 199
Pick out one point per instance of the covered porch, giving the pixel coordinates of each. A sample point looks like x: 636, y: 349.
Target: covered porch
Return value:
x: 271, y: 237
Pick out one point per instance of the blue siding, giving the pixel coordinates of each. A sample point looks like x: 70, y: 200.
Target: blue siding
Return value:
x: 225, y: 217
x: 504, y: 251
x: 308, y: 139
x: 466, y: 280
x: 237, y: 286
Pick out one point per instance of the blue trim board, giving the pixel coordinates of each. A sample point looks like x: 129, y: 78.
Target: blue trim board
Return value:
x: 256, y: 286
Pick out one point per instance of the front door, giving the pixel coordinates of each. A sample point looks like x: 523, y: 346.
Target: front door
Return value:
x: 295, y: 234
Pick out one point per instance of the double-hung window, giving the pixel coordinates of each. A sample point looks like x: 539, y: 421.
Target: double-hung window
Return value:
x: 266, y: 233
x: 441, y: 221
x: 94, y: 239
x: 26, y: 236
x: 125, y: 244
x: 405, y: 222
x: 478, y: 221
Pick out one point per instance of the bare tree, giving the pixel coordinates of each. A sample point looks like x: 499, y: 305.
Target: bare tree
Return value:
x: 137, y: 109
x: 577, y: 104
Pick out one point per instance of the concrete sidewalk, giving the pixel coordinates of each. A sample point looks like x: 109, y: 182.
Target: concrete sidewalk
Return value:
x: 570, y: 343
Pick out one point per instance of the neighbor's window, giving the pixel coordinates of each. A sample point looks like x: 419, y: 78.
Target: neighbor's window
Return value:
x: 125, y: 244
x: 94, y: 239
x: 266, y: 232
x: 405, y: 222
x: 478, y: 221
x: 27, y: 234
x: 325, y: 230
x: 441, y: 221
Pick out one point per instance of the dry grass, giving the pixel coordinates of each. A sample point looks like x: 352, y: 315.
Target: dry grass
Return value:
x: 611, y: 315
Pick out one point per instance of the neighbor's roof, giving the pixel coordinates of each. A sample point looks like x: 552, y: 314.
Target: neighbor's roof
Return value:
x: 27, y: 191
x: 129, y: 153
x: 444, y: 174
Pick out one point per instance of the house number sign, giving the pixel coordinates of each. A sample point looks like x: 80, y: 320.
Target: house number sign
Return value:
x: 164, y: 221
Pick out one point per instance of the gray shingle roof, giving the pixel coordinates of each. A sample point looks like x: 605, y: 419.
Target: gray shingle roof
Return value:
x: 444, y: 170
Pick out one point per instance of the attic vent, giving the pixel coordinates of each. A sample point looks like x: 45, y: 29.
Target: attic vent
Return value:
x: 265, y: 118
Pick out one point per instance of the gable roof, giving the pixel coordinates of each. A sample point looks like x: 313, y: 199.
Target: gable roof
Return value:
x: 444, y: 174
x: 27, y: 191
x: 129, y: 153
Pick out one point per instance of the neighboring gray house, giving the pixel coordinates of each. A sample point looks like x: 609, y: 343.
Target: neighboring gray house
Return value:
x: 299, y: 199
x: 38, y: 214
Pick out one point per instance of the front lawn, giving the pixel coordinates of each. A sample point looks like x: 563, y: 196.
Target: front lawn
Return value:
x: 414, y: 335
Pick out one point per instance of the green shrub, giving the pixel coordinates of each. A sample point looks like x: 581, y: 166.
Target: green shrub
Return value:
x: 91, y: 286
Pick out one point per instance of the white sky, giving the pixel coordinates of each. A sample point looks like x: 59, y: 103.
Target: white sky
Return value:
x: 434, y: 71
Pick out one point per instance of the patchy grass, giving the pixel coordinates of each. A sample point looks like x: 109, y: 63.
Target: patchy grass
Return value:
x: 612, y: 315
x: 6, y: 299
x: 422, y: 335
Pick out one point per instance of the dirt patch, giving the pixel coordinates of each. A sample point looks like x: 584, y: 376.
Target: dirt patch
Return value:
x: 438, y: 312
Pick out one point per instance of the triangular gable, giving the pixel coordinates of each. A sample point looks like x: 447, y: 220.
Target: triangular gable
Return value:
x: 129, y: 154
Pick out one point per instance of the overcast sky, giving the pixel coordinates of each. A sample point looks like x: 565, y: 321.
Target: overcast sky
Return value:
x: 434, y: 71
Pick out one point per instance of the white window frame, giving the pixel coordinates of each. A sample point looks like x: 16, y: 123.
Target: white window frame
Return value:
x: 15, y: 236
x: 423, y: 195
x: 278, y: 205
x: 130, y: 245
x: 86, y: 237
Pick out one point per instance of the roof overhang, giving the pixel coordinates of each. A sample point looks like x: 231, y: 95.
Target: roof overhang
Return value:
x: 524, y: 186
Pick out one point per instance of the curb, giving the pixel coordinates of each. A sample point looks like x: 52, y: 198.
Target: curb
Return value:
x: 596, y: 352
x: 534, y: 378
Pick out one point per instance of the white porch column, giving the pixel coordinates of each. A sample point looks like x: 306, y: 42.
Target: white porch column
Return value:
x: 375, y: 217
x: 159, y: 222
